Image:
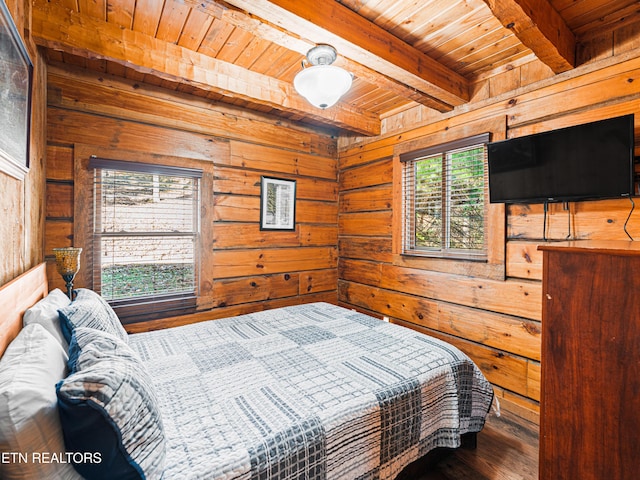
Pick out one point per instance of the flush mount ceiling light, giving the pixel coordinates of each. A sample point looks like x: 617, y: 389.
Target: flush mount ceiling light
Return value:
x: 322, y: 84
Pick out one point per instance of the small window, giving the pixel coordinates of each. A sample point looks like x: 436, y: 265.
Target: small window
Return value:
x: 445, y: 200
x: 145, y: 233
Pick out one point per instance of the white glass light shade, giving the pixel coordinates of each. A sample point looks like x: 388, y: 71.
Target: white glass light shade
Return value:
x: 322, y: 85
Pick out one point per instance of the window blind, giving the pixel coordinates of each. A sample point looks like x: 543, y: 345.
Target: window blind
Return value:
x: 444, y: 199
x: 145, y: 231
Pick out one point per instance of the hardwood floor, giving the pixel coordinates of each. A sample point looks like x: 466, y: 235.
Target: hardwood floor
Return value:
x: 507, y: 450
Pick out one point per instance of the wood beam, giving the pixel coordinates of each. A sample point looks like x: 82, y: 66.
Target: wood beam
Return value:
x: 356, y: 38
x: 277, y: 36
x: 62, y: 29
x: 541, y: 28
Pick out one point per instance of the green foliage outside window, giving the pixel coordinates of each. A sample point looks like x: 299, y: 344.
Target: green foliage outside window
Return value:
x: 449, y: 201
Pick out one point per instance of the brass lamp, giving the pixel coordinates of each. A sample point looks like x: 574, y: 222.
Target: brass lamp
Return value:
x: 68, y: 264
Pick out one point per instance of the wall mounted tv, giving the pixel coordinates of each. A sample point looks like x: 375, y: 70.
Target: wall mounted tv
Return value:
x: 583, y: 162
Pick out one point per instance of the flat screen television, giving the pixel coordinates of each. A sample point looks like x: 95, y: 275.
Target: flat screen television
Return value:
x: 583, y: 162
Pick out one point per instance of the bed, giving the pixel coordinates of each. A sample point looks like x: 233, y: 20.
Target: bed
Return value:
x: 312, y: 391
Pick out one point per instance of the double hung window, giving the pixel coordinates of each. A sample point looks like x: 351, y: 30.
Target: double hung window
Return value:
x: 146, y: 228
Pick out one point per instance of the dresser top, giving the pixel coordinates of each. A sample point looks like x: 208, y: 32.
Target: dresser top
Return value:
x: 609, y: 247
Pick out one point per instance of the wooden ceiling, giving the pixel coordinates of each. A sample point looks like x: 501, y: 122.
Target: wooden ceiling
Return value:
x: 247, y: 52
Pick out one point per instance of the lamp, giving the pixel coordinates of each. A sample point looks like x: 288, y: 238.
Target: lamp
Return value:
x: 68, y: 264
x: 322, y: 84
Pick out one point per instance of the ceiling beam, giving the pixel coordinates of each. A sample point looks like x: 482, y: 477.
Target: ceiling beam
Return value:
x: 364, y: 42
x: 541, y: 28
x: 62, y: 29
x: 277, y: 36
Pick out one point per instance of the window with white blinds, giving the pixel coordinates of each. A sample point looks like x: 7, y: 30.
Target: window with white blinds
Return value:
x: 445, y: 199
x: 146, y: 231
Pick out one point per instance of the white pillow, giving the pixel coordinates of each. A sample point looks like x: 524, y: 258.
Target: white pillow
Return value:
x: 45, y: 312
x: 29, y: 422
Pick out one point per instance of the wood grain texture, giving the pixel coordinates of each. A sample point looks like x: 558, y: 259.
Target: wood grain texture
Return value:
x: 591, y: 346
x: 22, y: 201
x: 245, y: 262
x: 487, y: 313
x: 402, y: 54
x: 17, y: 296
x: 507, y: 449
x: 83, y: 90
x: 95, y: 106
x: 242, y: 266
x: 354, y: 35
x: 59, y: 28
x: 541, y: 28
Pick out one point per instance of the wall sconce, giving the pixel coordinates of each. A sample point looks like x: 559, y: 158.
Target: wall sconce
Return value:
x: 322, y: 84
x: 68, y: 264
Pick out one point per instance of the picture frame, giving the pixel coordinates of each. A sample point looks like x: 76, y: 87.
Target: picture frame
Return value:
x: 277, y: 204
x: 16, y: 78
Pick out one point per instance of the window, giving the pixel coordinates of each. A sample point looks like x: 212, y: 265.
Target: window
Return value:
x: 145, y: 231
x: 445, y: 200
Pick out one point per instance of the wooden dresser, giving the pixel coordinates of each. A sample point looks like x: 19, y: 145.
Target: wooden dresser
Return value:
x: 590, y: 392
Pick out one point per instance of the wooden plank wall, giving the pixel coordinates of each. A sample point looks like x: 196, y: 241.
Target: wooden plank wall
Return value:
x: 251, y: 269
x: 497, y: 322
x: 21, y: 201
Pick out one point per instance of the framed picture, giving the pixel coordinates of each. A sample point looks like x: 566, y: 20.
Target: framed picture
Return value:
x: 277, y: 204
x: 16, y: 75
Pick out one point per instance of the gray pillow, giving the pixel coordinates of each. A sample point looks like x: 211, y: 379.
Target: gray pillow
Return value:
x: 108, y: 409
x: 90, y: 310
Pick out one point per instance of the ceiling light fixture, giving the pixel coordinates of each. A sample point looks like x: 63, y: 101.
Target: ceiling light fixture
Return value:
x: 322, y: 84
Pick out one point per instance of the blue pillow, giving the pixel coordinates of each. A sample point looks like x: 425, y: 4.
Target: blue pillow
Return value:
x: 108, y: 410
x: 89, y: 309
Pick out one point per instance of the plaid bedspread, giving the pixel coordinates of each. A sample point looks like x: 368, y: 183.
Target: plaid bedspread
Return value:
x: 308, y: 392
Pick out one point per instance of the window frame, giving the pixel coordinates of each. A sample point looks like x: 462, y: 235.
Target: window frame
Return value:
x: 143, y: 309
x: 494, y: 266
x: 409, y: 160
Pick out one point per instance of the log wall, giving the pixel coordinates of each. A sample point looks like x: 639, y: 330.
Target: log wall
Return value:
x: 496, y: 321
x: 249, y: 269
x: 21, y: 201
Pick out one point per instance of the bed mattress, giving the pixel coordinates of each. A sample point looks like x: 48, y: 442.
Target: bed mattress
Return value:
x: 312, y: 391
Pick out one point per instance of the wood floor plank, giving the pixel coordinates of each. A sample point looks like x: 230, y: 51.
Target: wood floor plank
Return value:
x: 507, y: 450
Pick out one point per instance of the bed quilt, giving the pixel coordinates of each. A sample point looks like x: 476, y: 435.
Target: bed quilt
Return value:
x: 313, y: 391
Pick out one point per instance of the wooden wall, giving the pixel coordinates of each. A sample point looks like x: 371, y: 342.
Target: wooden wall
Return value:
x: 496, y: 321
x: 21, y: 201
x: 251, y: 269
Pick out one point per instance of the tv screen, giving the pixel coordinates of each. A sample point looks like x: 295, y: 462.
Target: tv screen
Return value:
x: 590, y: 161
